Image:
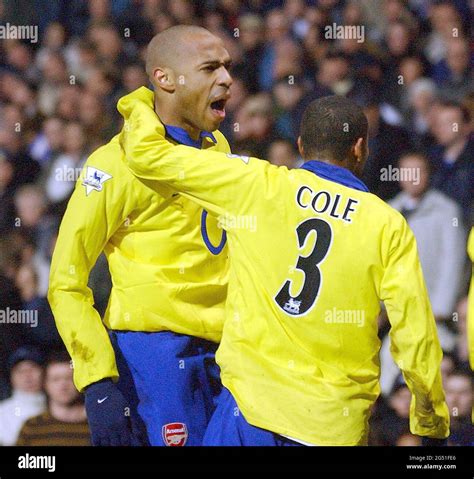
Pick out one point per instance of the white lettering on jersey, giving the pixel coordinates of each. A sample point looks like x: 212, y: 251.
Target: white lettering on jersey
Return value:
x: 322, y: 202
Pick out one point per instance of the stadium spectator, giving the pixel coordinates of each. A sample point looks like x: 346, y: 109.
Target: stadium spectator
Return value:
x: 54, y: 41
x: 448, y: 365
x: 27, y: 399
x: 394, y: 423
x: 454, y: 73
x: 66, y: 167
x: 429, y: 212
x: 459, y: 396
x: 31, y: 205
x: 7, y: 209
x: 287, y: 95
x: 408, y: 440
x: 335, y: 74
x: 42, y: 331
x: 253, y: 132
x: 64, y: 423
x: 462, y: 349
x: 47, y: 143
x: 421, y: 95
x: 251, y: 37
x: 386, y: 143
x: 453, y: 156
x: 444, y: 19
x: 10, y: 337
x: 283, y: 153
x: 277, y: 29
x: 54, y: 73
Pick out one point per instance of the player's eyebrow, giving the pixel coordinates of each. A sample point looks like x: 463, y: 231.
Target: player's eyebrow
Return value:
x: 217, y: 63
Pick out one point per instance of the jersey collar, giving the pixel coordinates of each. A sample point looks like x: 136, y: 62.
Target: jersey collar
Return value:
x: 180, y: 135
x: 334, y: 173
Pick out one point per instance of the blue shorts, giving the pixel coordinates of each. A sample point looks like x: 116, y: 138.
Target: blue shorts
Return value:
x: 171, y: 382
x: 228, y: 427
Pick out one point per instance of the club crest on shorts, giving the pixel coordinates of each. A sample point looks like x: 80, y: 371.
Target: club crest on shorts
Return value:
x: 175, y: 434
x: 94, y: 179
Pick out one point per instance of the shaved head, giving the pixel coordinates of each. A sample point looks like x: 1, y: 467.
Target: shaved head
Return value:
x: 188, y: 67
x: 172, y: 46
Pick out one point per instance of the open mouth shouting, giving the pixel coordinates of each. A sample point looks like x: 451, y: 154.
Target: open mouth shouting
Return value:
x: 218, y: 106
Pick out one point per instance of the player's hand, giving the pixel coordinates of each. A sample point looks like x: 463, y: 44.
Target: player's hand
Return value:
x: 106, y: 412
x: 433, y: 442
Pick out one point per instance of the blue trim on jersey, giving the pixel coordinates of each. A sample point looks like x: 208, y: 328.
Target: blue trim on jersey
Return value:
x: 213, y: 249
x: 335, y: 173
x: 180, y: 135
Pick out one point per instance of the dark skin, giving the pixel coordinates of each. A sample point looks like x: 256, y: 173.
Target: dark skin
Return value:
x: 354, y: 161
x: 189, y: 68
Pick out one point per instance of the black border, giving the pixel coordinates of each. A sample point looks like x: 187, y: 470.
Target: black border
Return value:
x: 90, y: 460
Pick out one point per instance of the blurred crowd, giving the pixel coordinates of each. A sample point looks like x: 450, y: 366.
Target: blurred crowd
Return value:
x: 411, y: 71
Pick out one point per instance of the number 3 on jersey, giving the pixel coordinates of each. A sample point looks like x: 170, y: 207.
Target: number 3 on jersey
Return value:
x: 301, y: 304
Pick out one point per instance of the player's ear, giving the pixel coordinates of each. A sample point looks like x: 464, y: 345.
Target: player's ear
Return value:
x: 300, y: 146
x: 164, y: 79
x: 358, y: 150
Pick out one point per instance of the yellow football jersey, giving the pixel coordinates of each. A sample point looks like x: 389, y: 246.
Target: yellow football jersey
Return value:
x: 168, y: 260
x: 311, y: 259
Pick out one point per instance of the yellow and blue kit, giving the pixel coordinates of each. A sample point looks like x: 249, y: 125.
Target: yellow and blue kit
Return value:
x: 312, y: 255
x: 169, y: 266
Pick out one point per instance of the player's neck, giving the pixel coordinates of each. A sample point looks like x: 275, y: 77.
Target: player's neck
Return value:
x: 169, y: 117
x: 329, y: 161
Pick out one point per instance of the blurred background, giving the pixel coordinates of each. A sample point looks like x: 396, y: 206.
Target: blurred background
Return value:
x: 412, y: 74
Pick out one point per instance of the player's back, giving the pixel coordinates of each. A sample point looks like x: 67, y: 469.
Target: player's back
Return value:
x: 312, y: 254
x: 303, y: 304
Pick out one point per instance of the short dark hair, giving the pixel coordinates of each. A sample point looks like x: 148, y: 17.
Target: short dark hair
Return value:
x: 58, y: 356
x: 330, y: 127
x: 418, y: 154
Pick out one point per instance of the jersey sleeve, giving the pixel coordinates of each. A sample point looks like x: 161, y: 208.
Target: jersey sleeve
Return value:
x: 95, y: 210
x: 470, y: 304
x: 414, y: 340
x: 221, y: 183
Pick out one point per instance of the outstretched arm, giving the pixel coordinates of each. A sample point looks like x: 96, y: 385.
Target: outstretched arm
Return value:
x: 414, y: 339
x: 222, y: 183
